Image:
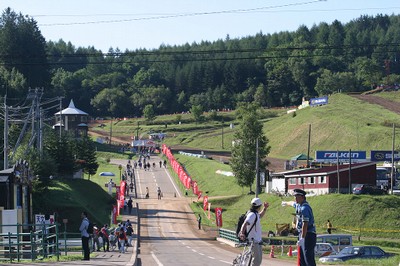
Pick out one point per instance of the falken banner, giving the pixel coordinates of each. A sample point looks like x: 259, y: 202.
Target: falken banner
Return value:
x: 382, y: 156
x: 318, y: 101
x: 344, y: 156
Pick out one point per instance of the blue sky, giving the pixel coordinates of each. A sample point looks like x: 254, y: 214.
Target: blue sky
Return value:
x: 130, y: 24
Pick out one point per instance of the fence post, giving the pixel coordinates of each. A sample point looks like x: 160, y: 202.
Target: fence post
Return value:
x: 33, y: 257
x: 56, y: 243
x: 9, y: 246
x: 43, y: 242
x: 18, y: 246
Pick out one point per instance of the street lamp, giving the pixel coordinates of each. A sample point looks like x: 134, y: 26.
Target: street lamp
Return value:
x: 120, y: 171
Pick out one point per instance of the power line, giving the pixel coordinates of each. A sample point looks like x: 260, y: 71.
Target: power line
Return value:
x: 212, y: 55
x: 249, y: 10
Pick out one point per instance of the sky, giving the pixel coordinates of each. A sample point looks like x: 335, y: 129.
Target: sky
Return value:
x: 132, y: 24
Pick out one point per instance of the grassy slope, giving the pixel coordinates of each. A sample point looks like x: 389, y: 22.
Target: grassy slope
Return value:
x: 349, y: 213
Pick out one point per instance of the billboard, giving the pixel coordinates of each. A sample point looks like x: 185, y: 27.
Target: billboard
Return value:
x: 332, y: 156
x: 381, y: 156
x: 318, y: 101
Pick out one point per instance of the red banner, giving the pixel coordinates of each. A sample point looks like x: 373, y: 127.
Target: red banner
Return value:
x: 205, y: 203
x: 195, y: 188
x: 199, y: 195
x: 218, y: 216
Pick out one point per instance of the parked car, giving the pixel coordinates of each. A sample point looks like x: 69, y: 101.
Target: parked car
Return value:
x: 368, y: 189
x: 338, y: 241
x: 321, y: 250
x: 356, y: 252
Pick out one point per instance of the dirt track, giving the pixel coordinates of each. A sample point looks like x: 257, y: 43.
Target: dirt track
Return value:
x: 385, y: 103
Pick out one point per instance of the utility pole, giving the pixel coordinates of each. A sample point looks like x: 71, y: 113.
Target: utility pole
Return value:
x: 5, y: 164
x: 222, y: 129
x: 392, y: 175
x: 308, y: 147
x: 61, y: 120
x: 257, y: 174
x: 337, y: 172
x: 110, y: 131
x: 350, y: 171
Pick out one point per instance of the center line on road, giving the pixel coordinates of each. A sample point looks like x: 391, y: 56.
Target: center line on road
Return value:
x: 225, y: 262
x: 211, y: 257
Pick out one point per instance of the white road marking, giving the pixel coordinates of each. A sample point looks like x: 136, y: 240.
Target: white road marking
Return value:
x: 155, y: 258
x: 173, y: 183
x: 201, y: 254
x: 211, y: 257
x: 225, y: 262
x: 194, y: 250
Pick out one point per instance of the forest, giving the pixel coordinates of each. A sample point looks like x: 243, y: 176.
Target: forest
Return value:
x: 272, y: 70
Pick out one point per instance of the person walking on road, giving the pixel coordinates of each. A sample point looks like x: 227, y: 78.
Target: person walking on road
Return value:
x: 130, y: 205
x: 305, y: 227
x: 85, y: 236
x: 147, y: 193
x: 199, y: 221
x: 159, y: 193
x: 251, y: 228
x: 105, y: 235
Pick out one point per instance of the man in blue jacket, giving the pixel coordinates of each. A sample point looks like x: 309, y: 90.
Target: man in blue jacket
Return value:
x: 85, y: 236
x: 305, y: 227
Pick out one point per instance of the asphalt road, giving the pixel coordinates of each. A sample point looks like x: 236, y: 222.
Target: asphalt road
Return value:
x: 168, y: 230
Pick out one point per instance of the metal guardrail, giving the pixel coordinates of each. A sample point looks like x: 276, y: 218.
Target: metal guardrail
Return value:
x: 37, y: 244
x: 228, y: 234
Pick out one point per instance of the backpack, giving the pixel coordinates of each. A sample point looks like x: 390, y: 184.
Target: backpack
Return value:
x: 241, y: 220
x: 90, y: 229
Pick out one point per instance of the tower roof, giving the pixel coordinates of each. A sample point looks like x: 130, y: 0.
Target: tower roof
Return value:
x: 71, y: 110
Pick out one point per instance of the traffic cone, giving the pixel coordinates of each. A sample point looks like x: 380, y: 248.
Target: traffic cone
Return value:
x: 290, y: 253
x: 271, y: 255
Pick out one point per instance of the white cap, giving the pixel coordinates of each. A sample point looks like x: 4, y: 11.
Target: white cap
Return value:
x: 256, y: 202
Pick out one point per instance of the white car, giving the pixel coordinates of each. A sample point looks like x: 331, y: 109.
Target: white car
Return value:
x: 321, y: 250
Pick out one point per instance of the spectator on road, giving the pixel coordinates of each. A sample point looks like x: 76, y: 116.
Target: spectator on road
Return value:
x: 147, y: 193
x: 160, y: 162
x: 122, y: 240
x: 199, y: 221
x: 159, y: 193
x: 96, y: 242
x: 251, y: 228
x: 305, y: 227
x: 129, y: 234
x: 85, y: 236
x: 130, y: 205
x: 105, y: 235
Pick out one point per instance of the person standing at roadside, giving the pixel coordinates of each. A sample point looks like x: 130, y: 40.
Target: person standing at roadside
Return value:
x: 305, y: 227
x: 329, y: 227
x: 251, y: 228
x: 85, y: 236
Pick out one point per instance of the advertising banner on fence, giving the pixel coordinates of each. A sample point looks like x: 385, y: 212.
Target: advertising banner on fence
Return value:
x: 218, y: 216
x: 205, y: 203
x: 332, y: 156
x: 382, y: 156
x: 319, y: 101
